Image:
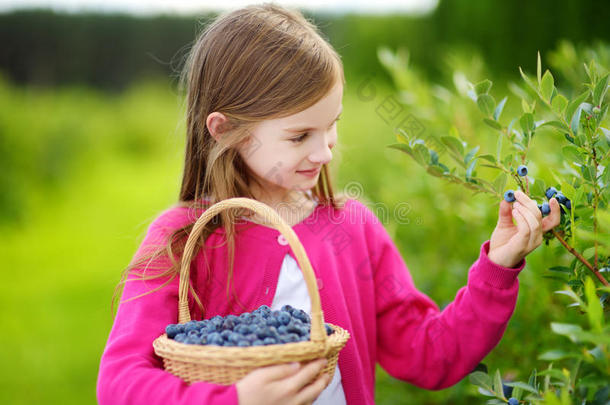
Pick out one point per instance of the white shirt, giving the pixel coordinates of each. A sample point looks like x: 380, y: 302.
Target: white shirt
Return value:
x: 292, y: 290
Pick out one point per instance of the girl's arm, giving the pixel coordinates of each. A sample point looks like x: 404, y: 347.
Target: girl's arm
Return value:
x: 435, y: 349
x: 130, y: 372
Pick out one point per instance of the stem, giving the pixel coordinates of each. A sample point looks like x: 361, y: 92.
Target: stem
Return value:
x: 579, y: 257
x: 595, y: 201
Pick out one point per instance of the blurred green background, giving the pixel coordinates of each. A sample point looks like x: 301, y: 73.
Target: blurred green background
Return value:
x: 91, y: 145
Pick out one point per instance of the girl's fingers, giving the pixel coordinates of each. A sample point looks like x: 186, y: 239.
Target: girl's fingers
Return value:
x: 554, y: 218
x: 523, y: 228
x: 309, y: 394
x: 277, y: 372
x: 303, y: 377
x: 528, y: 203
x: 533, y: 224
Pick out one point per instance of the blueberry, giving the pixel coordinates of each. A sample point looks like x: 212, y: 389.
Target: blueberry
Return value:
x: 214, y: 338
x: 258, y: 342
x: 276, y: 313
x: 509, y: 196
x: 292, y: 337
x: 271, y: 321
x: 284, y: 318
x: 329, y: 329
x: 561, y: 199
x: 235, y: 337
x: 305, y: 337
x: 550, y: 192
x: 171, y: 330
x: 243, y: 343
x: 545, y: 208
x: 507, y: 390
x: 234, y: 318
x: 270, y: 341
x: 513, y: 401
x: 228, y: 324
x: 191, y: 325
x: 288, y: 308
x: 251, y: 337
x: 217, y: 319
x: 244, y: 329
x: 225, y: 334
x: 522, y: 170
x: 193, y: 333
x: 180, y: 337
x: 264, y: 309
x: 192, y: 340
x: 294, y: 329
x: 568, y: 204
x: 301, y: 315
x: 282, y: 330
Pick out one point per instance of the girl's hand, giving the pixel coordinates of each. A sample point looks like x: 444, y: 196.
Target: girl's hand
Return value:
x: 282, y: 384
x: 510, y: 243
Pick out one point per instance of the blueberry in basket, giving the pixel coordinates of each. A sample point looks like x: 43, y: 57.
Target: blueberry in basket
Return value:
x: 260, y: 327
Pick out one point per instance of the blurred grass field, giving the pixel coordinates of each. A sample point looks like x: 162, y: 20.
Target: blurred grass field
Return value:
x: 85, y: 172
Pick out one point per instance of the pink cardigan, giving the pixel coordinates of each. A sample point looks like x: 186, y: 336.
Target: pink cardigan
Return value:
x: 365, y: 287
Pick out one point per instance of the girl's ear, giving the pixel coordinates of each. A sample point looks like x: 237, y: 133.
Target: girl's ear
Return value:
x: 217, y: 123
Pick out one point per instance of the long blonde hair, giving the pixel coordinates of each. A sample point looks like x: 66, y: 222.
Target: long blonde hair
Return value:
x: 256, y: 63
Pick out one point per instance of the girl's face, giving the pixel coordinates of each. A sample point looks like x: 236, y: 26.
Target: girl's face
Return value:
x: 280, y: 149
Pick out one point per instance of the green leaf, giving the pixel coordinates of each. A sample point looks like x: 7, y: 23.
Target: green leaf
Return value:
x: 402, y: 147
x: 489, y: 158
x: 470, y: 154
x: 559, y: 104
x: 454, y: 144
x: 571, y: 153
x: 600, y: 90
x: 500, y: 182
x: 561, y: 269
x: 575, y: 122
x: 471, y: 168
x: 595, y: 311
x: 486, y: 104
x: 537, y: 188
x: 547, y: 85
x: 522, y: 385
x: 401, y: 137
x: 539, y: 68
x: 480, y: 379
x: 557, y: 124
x: 435, y: 171
x: 557, y: 354
x: 492, y: 123
x: 421, y: 154
x: 482, y: 87
x: 588, y: 172
x: 497, y: 383
x: 499, y: 108
x: 527, y: 80
x: 527, y: 122
x: 574, y: 104
x: 433, y: 157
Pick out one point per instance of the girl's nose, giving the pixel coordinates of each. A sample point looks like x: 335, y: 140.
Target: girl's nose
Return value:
x: 323, y: 154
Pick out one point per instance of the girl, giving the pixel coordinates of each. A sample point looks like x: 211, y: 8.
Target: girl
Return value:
x: 264, y: 93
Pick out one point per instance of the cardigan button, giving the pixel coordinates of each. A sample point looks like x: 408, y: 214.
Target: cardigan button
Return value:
x: 282, y: 240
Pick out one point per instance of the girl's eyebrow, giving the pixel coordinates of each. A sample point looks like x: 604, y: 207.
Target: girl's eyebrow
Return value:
x: 310, y: 129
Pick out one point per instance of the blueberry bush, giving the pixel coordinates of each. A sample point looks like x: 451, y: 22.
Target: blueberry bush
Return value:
x: 577, y: 371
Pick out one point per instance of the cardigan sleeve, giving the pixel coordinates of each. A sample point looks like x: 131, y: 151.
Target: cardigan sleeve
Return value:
x: 433, y: 349
x: 130, y: 372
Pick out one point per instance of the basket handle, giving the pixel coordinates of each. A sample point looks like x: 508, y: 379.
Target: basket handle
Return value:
x: 318, y: 331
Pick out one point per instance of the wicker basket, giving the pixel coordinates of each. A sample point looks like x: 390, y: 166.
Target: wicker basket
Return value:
x: 227, y: 365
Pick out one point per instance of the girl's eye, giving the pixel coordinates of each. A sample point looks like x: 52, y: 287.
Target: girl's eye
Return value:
x: 299, y: 138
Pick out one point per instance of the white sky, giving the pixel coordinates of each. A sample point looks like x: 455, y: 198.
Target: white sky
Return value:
x: 140, y: 7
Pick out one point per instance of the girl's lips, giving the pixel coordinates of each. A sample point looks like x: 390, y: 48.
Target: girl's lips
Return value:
x: 309, y: 173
